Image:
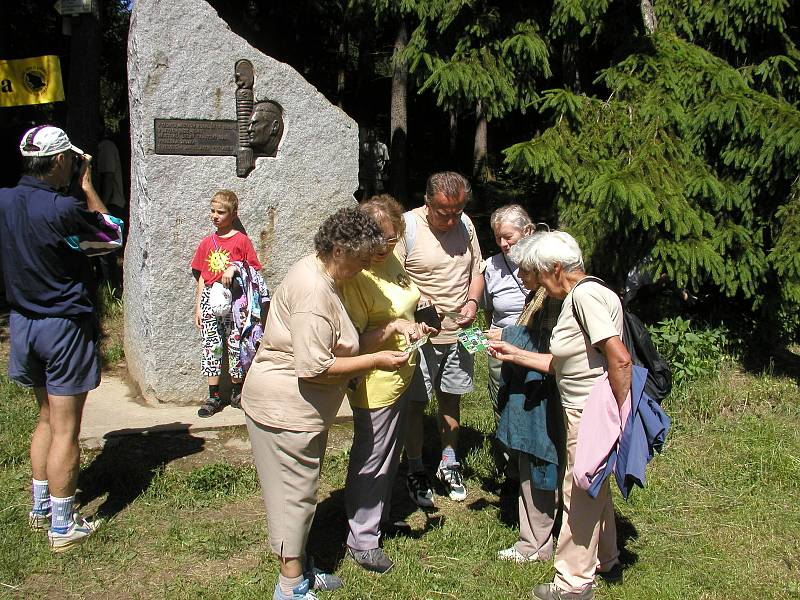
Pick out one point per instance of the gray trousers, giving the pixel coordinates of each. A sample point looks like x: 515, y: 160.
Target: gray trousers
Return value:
x: 537, y: 511
x: 378, y: 440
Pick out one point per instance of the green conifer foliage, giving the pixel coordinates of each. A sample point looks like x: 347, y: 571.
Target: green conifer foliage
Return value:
x: 465, y: 51
x: 688, y: 151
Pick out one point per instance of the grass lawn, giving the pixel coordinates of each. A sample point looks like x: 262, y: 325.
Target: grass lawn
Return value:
x: 720, y: 517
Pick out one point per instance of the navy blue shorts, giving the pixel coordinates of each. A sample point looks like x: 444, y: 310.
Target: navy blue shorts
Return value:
x: 54, y: 353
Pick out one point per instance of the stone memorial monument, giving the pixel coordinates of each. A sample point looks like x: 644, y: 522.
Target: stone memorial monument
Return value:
x: 208, y: 111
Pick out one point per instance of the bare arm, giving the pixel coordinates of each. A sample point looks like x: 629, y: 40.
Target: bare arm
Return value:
x: 375, y: 338
x: 353, y: 366
x: 474, y: 295
x: 531, y: 360
x: 93, y: 201
x: 619, y: 367
x: 198, y: 314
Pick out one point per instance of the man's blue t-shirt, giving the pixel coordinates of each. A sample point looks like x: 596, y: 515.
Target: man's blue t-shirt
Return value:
x: 44, y: 274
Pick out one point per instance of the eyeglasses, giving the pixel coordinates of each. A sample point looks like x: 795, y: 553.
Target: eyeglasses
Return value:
x: 442, y: 214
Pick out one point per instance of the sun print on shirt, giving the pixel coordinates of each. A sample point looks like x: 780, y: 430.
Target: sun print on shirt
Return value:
x: 218, y: 260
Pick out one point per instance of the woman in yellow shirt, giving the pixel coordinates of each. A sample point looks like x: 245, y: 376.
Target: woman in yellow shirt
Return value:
x: 381, y: 303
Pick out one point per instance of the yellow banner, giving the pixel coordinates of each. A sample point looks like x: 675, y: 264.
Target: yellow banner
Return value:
x: 34, y: 80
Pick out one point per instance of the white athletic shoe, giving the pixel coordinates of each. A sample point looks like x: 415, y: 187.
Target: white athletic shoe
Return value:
x: 452, y: 479
x: 81, y: 529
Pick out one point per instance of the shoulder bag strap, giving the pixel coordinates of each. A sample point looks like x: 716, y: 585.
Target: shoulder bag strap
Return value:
x: 411, y: 231
x: 586, y: 279
x: 517, y: 281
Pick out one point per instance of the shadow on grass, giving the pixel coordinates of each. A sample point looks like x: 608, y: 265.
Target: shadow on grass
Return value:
x: 125, y: 467
x: 626, y: 532
x: 327, y: 539
x: 780, y: 362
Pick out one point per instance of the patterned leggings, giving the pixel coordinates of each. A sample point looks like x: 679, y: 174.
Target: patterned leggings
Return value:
x: 215, y: 330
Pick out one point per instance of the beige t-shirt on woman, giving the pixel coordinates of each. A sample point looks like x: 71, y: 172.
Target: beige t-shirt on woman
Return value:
x: 306, y: 329
x: 576, y: 361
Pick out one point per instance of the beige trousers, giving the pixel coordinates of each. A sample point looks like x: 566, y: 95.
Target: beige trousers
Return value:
x: 588, y: 538
x: 288, y: 465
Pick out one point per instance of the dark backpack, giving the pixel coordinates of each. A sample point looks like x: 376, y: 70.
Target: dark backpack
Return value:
x: 641, y: 348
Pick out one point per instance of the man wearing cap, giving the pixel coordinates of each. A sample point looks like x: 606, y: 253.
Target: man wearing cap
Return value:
x: 46, y: 238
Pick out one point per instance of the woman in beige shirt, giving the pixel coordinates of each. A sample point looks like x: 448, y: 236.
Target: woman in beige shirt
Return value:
x: 580, y: 353
x: 297, y: 382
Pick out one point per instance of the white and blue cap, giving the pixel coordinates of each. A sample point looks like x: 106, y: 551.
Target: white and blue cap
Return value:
x: 46, y: 140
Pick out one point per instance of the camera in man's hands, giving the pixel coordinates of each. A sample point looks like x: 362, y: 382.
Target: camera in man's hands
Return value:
x: 77, y: 165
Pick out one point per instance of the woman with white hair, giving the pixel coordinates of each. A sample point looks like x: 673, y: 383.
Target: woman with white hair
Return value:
x: 505, y: 293
x: 580, y: 354
x: 529, y: 420
x: 504, y: 297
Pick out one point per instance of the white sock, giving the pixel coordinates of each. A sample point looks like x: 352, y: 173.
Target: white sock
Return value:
x: 41, y: 496
x: 288, y: 584
x: 62, y: 518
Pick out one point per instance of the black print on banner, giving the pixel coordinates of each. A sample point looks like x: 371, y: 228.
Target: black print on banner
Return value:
x: 6, y: 87
x: 35, y: 79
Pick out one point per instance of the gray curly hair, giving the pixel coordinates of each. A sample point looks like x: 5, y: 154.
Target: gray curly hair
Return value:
x: 351, y: 228
x: 513, y: 214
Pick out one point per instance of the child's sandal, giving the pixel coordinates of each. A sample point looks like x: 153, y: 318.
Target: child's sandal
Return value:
x: 210, y: 407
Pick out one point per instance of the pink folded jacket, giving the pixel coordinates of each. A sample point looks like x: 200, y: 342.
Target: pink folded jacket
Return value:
x: 599, y: 432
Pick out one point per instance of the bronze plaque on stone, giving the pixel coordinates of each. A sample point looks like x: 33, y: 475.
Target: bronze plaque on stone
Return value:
x: 257, y: 130
x: 195, y: 137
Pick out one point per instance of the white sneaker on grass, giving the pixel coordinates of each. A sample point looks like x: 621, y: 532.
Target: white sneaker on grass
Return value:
x: 452, y: 479
x: 319, y: 579
x: 514, y: 555
x: 301, y: 592
x: 38, y: 521
x: 79, y: 530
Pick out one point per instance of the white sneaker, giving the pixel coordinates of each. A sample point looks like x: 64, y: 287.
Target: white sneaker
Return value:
x: 301, y: 592
x: 79, y: 531
x: 38, y: 521
x: 514, y: 555
x: 452, y: 479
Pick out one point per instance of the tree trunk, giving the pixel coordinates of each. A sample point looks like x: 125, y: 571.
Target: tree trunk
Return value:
x: 649, y: 16
x: 480, y: 153
x: 569, y: 59
x: 399, y: 117
x: 341, y: 77
x: 453, y: 134
x: 83, y: 93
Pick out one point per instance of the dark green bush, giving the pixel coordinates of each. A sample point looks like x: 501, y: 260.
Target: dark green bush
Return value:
x: 690, y: 352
